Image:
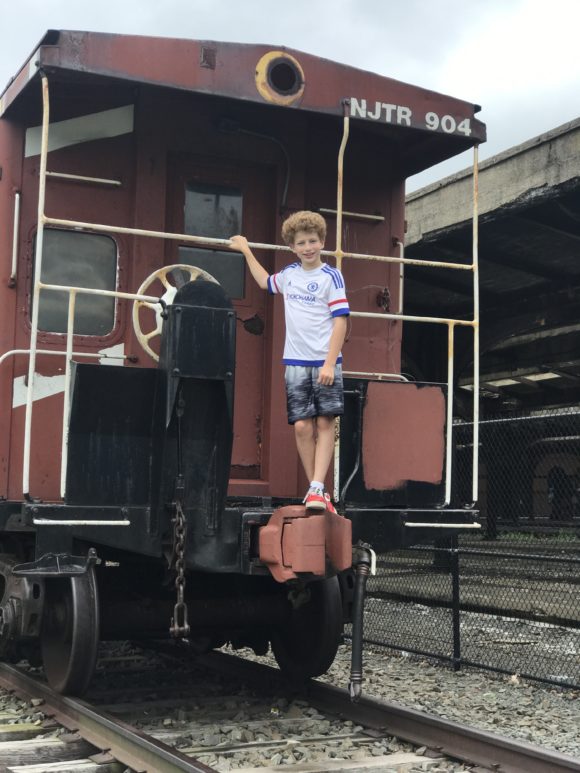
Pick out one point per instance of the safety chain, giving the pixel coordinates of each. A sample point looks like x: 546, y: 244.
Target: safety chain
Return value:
x: 179, y: 625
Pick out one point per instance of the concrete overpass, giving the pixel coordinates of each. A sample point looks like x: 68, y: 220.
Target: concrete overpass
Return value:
x: 529, y: 252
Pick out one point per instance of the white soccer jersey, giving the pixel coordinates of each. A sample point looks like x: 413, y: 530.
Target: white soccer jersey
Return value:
x: 311, y: 300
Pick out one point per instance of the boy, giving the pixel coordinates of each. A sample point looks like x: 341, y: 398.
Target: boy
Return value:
x: 316, y: 309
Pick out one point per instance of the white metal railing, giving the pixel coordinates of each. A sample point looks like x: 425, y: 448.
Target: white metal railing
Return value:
x: 451, y: 323
x: 374, y: 376
x: 338, y: 253
x: 15, y: 232
x: 83, y: 179
x: 94, y: 355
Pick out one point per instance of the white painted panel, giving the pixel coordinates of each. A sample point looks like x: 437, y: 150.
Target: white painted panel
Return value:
x: 86, y: 128
x: 44, y: 386
x: 113, y: 355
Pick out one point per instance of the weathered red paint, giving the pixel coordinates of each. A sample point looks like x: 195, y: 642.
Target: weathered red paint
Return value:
x: 183, y: 64
x: 296, y: 542
x: 403, y: 435
x: 179, y: 101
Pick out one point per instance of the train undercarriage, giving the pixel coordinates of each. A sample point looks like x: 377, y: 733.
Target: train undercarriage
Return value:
x: 56, y: 611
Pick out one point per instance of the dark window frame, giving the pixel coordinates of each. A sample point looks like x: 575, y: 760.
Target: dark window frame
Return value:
x: 228, y: 268
x: 95, y: 316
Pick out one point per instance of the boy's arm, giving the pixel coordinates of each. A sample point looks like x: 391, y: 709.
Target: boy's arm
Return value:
x: 326, y: 372
x: 259, y: 273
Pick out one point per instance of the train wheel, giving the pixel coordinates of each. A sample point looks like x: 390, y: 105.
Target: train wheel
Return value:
x: 307, y: 644
x: 69, y: 637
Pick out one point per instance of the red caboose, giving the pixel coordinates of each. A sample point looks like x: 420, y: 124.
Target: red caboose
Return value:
x: 145, y: 452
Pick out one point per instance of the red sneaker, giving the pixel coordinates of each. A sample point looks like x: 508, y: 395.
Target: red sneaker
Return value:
x: 329, y: 506
x: 314, y: 499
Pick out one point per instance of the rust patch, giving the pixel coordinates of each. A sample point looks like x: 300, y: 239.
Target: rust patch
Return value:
x: 294, y: 542
x: 403, y: 435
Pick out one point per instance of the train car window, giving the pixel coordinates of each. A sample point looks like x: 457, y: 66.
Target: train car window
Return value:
x: 78, y: 260
x: 215, y: 211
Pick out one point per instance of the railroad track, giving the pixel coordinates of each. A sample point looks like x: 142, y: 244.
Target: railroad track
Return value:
x: 162, y: 712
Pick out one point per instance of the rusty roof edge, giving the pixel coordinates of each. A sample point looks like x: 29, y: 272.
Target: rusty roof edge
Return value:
x: 271, y: 47
x: 55, y: 37
x: 46, y: 39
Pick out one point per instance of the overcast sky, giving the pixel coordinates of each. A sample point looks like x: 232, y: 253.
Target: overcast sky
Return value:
x: 518, y: 59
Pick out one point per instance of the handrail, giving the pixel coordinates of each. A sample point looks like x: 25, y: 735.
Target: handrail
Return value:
x: 84, y: 179
x: 36, y: 288
x: 15, y: 238
x: 401, y: 277
x: 72, y: 298
x: 413, y: 318
x: 451, y: 323
x: 213, y: 242
x: 338, y: 253
x: 339, y: 188
x: 96, y: 355
x: 377, y: 376
x: 475, y: 262
x: 449, y: 413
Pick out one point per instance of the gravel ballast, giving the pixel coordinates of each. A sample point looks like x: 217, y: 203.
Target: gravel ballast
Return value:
x: 546, y: 716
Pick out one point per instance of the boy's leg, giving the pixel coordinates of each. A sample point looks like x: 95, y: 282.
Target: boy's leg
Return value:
x: 324, y: 447
x: 304, y: 432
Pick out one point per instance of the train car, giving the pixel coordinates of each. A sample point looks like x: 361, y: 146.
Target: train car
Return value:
x: 149, y: 481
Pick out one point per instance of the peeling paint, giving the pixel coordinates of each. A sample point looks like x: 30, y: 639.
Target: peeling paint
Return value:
x: 113, y: 355
x: 44, y: 386
x: 85, y: 128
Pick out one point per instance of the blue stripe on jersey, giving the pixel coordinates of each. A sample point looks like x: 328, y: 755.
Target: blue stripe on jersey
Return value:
x: 338, y: 275
x: 335, y: 274
x: 290, y: 265
x: 340, y: 313
x: 272, y: 285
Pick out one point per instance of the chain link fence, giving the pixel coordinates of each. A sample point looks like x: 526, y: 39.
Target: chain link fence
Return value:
x: 506, y: 599
x: 529, y: 473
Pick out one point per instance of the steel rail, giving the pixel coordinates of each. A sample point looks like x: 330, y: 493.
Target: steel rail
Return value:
x: 472, y: 745
x: 125, y: 743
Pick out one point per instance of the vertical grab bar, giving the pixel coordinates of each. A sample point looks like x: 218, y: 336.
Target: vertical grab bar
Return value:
x: 15, y: 235
x: 449, y: 433
x: 339, y: 255
x: 339, y: 188
x: 36, y: 290
x: 66, y: 406
x: 401, y: 277
x: 475, y: 261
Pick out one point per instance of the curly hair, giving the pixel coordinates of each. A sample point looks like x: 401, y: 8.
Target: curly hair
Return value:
x: 303, y: 221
